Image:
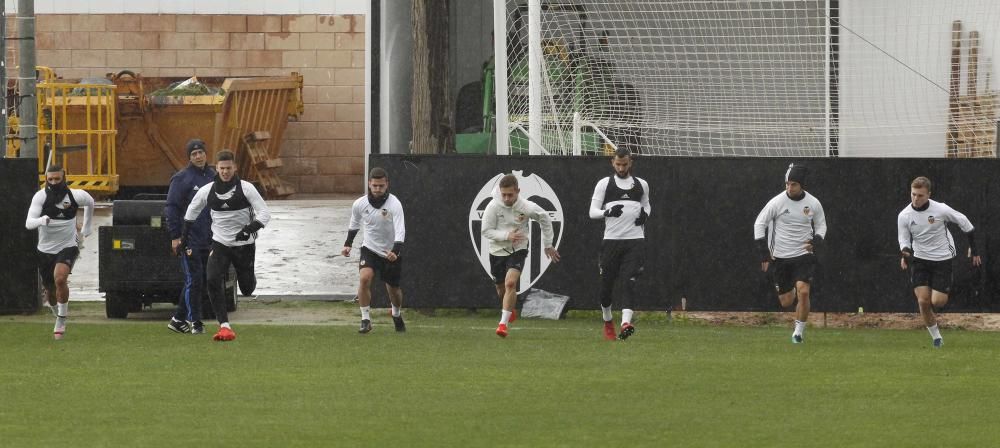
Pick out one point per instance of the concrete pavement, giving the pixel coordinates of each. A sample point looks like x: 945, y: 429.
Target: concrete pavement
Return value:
x: 298, y: 253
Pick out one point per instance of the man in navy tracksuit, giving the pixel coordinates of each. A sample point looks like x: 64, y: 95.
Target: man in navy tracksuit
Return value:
x: 183, y: 186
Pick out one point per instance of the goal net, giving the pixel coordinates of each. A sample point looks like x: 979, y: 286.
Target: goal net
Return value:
x: 887, y: 78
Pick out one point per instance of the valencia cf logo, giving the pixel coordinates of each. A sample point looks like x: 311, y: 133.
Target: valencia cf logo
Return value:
x: 930, y: 220
x: 535, y: 189
x: 385, y: 213
x: 807, y: 211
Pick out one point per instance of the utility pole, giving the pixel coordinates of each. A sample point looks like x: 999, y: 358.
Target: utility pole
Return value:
x: 26, y: 78
x: 3, y: 74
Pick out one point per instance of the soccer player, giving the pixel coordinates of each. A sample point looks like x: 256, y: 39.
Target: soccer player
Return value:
x: 927, y: 249
x: 622, y: 201
x: 238, y: 212
x: 53, y: 212
x: 183, y: 186
x: 505, y: 224
x: 788, y: 231
x: 381, y: 215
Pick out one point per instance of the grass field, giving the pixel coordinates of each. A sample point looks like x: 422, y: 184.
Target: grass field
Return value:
x: 450, y: 381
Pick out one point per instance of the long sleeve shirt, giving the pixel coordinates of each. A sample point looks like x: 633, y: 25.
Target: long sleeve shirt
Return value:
x: 633, y: 194
x: 499, y: 220
x: 60, y: 232
x: 383, y: 226
x: 790, y: 224
x: 228, y: 221
x: 926, y: 231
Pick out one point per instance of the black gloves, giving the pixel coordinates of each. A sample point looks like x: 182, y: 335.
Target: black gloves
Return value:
x: 906, y: 253
x: 641, y: 220
x: 816, y: 242
x: 397, y: 248
x: 765, y: 253
x: 249, y: 229
x: 972, y: 244
x: 615, y: 211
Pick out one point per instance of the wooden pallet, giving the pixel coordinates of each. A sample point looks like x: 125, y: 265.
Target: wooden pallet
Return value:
x: 972, y: 118
x: 262, y: 166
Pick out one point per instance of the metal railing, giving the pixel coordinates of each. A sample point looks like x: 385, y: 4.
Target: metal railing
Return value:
x: 77, y: 128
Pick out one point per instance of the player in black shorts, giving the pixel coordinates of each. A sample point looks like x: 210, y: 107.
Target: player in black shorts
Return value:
x: 53, y: 212
x: 927, y: 249
x: 381, y: 215
x: 506, y: 225
x: 788, y: 230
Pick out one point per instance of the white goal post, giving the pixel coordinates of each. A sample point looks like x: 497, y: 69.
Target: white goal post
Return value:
x: 806, y: 78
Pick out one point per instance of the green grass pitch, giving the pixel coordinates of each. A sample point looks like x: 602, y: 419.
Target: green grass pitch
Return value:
x: 449, y: 381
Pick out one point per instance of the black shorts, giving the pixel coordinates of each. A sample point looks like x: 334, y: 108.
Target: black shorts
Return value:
x: 47, y: 264
x: 500, y: 264
x: 787, y: 271
x: 625, y: 258
x: 389, y: 272
x: 935, y: 274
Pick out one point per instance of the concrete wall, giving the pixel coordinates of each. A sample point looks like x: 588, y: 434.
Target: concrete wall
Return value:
x: 195, y: 7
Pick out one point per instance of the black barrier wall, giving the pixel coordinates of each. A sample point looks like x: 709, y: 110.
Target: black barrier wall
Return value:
x: 700, y: 233
x: 18, y: 287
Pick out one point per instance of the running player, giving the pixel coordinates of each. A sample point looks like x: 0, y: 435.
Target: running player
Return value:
x: 53, y: 212
x: 238, y: 213
x: 505, y: 224
x: 381, y: 215
x: 622, y: 201
x: 927, y: 249
x: 788, y: 231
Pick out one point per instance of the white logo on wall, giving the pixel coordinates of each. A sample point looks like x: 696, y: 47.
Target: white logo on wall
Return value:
x: 535, y: 189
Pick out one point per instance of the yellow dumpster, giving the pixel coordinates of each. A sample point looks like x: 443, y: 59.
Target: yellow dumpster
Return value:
x: 154, y: 126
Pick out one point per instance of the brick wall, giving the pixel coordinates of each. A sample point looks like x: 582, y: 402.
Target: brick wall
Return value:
x: 323, y: 150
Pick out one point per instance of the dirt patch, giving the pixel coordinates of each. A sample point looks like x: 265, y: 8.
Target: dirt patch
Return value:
x: 903, y: 321
x: 275, y: 311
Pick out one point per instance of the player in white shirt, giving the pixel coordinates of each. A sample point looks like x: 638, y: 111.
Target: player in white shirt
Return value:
x: 505, y: 224
x: 238, y: 212
x: 381, y: 215
x: 927, y: 249
x: 622, y: 202
x: 788, y: 231
x: 53, y: 212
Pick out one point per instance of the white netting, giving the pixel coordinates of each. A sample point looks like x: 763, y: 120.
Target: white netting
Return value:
x: 759, y: 78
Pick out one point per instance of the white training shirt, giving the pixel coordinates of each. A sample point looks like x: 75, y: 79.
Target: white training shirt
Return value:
x: 383, y: 226
x: 227, y: 224
x: 59, y: 234
x: 499, y: 220
x: 622, y: 227
x: 790, y: 224
x: 926, y: 232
